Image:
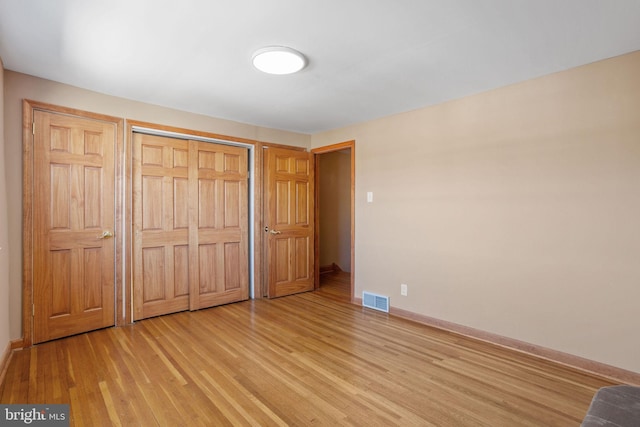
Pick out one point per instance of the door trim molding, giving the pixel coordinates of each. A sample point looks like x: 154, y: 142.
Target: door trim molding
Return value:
x: 257, y: 168
x: 316, y: 238
x: 28, y: 108
x: 255, y: 190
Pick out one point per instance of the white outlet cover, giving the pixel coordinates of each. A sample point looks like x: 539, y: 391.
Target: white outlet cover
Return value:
x: 369, y: 196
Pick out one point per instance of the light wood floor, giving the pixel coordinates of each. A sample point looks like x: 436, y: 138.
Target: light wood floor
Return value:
x: 336, y: 285
x: 303, y: 360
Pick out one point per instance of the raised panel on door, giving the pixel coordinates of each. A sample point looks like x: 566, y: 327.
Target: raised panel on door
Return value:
x: 73, y: 205
x: 289, y: 218
x: 219, y: 230
x: 191, y: 225
x: 161, y: 225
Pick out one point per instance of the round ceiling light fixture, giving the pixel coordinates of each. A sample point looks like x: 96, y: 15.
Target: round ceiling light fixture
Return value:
x: 278, y: 60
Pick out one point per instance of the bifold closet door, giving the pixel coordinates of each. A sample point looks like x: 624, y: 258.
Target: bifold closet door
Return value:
x: 218, y: 233
x: 161, y: 225
x: 190, y: 226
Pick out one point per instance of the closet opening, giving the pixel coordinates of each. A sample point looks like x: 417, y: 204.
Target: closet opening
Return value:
x: 191, y: 222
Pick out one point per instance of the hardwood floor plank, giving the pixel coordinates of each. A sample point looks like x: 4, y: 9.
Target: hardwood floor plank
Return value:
x: 106, y: 396
x: 308, y: 359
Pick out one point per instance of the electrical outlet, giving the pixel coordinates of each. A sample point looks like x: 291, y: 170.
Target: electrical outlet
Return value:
x: 403, y: 290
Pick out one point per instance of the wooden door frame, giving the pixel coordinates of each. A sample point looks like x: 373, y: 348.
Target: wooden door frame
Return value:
x: 257, y: 173
x: 316, y: 238
x: 133, y: 126
x: 123, y: 208
x: 28, y: 108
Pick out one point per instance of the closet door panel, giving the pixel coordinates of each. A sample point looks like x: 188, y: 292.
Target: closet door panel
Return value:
x: 190, y: 204
x: 219, y: 234
x: 161, y: 225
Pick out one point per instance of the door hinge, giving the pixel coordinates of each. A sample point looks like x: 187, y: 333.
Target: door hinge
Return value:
x: 33, y: 128
x: 33, y: 310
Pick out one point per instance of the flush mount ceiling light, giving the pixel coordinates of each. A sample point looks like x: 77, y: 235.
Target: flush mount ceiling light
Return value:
x: 278, y: 60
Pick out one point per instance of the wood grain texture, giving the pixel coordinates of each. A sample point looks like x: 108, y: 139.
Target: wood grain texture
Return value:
x: 5, y: 359
x: 188, y: 195
x: 92, y: 152
x: 335, y: 284
x: 160, y: 196
x: 589, y: 366
x: 298, y: 360
x: 73, y: 203
x: 218, y: 231
x: 289, y: 213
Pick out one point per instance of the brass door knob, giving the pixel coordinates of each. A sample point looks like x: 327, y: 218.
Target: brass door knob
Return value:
x: 106, y: 234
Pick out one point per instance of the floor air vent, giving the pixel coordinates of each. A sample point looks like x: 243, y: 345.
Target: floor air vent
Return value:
x: 377, y: 302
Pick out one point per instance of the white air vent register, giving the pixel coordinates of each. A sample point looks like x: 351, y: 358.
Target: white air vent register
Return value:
x: 377, y: 302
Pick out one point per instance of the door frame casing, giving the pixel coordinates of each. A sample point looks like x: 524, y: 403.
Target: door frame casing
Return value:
x: 189, y: 136
x: 28, y: 108
x: 123, y: 207
x: 256, y: 219
x: 316, y: 238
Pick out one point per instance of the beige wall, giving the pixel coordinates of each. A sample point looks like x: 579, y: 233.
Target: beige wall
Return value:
x: 4, y: 238
x: 335, y: 208
x: 515, y: 211
x: 20, y: 86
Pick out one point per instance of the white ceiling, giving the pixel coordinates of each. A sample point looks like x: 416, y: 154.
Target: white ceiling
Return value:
x: 367, y: 58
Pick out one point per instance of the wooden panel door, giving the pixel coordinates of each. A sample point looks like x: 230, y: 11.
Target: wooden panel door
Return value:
x: 73, y: 224
x: 190, y: 204
x: 161, y: 225
x: 289, y: 218
x: 218, y: 242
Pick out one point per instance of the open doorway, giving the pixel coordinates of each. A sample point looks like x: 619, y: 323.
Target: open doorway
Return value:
x: 335, y: 189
